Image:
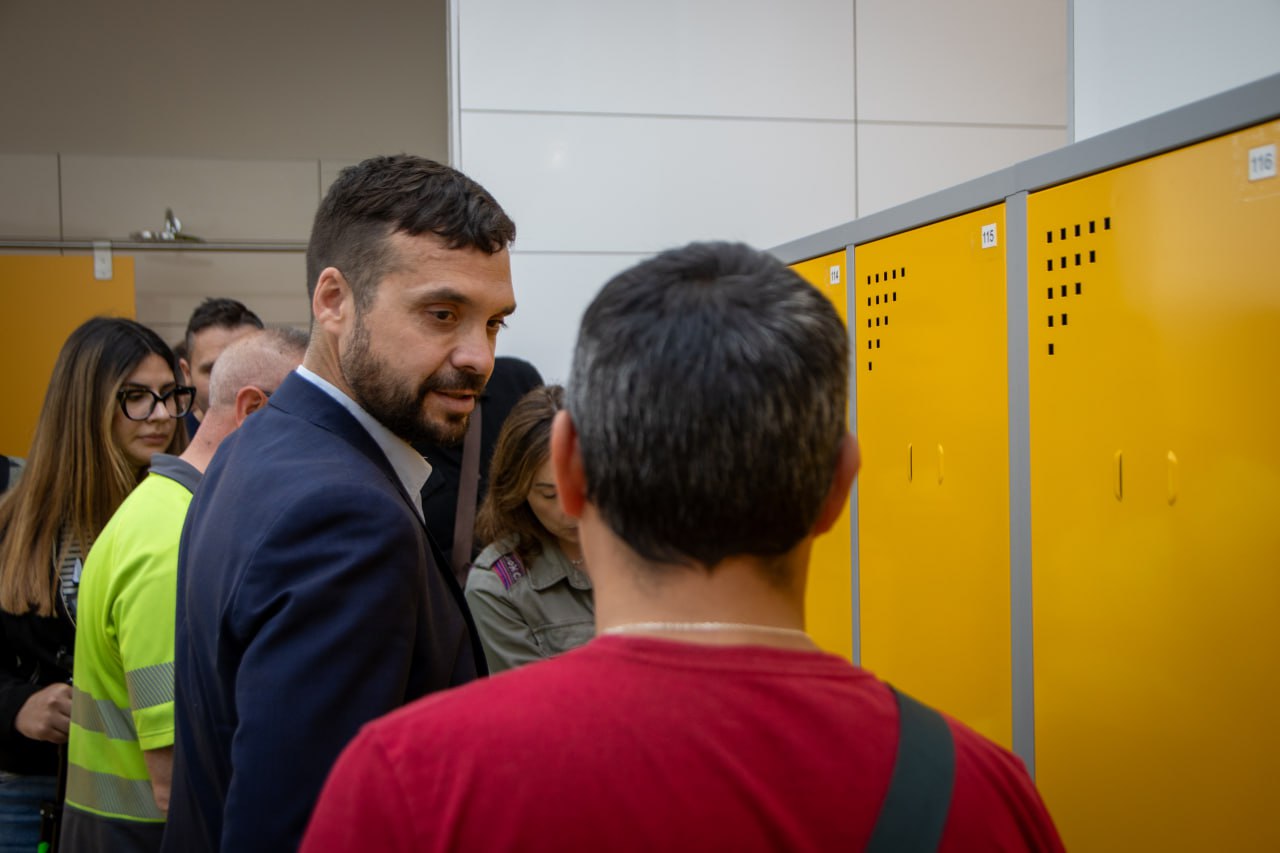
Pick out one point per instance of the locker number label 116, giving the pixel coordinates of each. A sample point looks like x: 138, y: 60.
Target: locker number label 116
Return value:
x: 1262, y: 162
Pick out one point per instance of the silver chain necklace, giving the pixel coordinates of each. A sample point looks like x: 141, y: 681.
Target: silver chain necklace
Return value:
x: 705, y: 627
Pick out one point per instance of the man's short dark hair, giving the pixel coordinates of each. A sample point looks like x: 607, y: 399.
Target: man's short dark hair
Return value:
x: 221, y: 313
x: 374, y: 199
x: 709, y: 390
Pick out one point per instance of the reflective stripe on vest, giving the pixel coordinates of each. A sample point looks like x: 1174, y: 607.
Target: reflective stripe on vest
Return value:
x: 101, y: 715
x: 112, y: 795
x: 150, y: 685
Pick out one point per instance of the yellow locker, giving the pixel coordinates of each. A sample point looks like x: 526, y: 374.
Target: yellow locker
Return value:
x: 45, y: 298
x: 1154, y: 311
x: 828, y: 601
x: 933, y: 497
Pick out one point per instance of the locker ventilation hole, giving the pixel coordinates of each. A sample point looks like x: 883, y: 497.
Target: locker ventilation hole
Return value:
x: 1086, y: 254
x: 880, y: 296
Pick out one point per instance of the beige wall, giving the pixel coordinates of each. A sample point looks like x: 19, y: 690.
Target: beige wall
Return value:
x: 236, y: 114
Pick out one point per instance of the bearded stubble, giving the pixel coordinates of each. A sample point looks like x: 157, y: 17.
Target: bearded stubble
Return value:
x: 398, y: 407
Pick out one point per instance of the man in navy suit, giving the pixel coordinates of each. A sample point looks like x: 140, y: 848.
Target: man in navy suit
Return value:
x: 310, y: 599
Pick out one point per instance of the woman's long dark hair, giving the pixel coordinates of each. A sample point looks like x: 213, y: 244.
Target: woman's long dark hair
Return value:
x: 76, y: 474
x: 523, y: 446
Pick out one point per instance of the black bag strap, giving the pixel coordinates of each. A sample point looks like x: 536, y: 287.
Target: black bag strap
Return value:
x: 4, y: 474
x: 915, y: 809
x: 464, y: 518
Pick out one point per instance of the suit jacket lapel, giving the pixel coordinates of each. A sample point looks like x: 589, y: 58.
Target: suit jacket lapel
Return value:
x: 302, y: 399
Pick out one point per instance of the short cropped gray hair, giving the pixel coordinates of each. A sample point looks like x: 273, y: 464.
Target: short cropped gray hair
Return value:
x: 261, y: 358
x: 709, y: 390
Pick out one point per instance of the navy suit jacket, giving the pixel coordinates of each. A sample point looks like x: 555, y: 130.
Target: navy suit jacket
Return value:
x: 309, y: 602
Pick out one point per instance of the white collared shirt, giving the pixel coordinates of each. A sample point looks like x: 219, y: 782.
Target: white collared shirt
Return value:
x: 410, y: 467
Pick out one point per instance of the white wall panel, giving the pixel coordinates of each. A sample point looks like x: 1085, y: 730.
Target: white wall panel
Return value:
x: 626, y: 184
x: 29, y: 195
x: 993, y: 61
x: 899, y: 163
x: 707, y: 57
x: 1136, y: 58
x: 552, y: 292
x: 215, y: 199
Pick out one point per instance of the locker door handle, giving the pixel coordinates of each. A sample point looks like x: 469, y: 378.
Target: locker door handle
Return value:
x: 1119, y: 482
x: 1173, y: 478
x: 940, y: 464
x: 910, y: 465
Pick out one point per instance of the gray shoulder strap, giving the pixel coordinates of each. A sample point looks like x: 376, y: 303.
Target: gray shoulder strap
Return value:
x: 915, y: 809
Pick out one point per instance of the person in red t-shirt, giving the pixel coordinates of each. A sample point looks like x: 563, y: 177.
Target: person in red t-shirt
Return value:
x: 703, y: 448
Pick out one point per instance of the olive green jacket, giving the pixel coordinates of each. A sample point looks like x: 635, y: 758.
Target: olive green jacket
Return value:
x: 528, y: 612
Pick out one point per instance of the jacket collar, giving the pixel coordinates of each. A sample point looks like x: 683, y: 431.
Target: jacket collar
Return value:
x: 551, y: 566
x: 296, y: 396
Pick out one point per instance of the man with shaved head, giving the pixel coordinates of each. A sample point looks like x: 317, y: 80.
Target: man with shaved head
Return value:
x: 121, y: 746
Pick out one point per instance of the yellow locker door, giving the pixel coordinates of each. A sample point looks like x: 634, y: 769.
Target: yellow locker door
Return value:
x: 828, y: 600
x: 45, y: 298
x: 930, y: 326
x: 1154, y: 311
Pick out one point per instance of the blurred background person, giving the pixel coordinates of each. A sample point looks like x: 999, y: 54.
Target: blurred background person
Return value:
x: 214, y: 324
x: 528, y: 591
x: 458, y: 482
x: 114, y: 401
x: 10, y: 471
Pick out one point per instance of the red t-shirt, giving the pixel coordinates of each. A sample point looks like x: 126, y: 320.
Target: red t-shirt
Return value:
x: 633, y: 743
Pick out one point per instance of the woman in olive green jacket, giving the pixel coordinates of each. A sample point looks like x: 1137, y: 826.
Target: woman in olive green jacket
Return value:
x: 527, y: 590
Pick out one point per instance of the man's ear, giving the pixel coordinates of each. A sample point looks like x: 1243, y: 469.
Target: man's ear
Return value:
x: 249, y: 399
x: 566, y: 461
x: 333, y: 303
x: 848, y: 460
x: 186, y: 370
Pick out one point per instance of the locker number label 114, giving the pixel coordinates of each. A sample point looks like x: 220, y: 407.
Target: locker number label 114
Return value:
x: 1262, y: 162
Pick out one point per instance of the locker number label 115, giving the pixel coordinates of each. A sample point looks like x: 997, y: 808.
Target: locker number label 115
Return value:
x: 1262, y: 162
x: 989, y: 236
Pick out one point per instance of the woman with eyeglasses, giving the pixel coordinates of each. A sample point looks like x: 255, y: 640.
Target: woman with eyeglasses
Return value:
x: 115, y: 400
x: 528, y: 591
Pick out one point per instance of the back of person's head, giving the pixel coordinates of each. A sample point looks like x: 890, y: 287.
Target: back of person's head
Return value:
x: 219, y: 313
x: 709, y: 392
x: 524, y: 445
x: 262, y: 360
x: 76, y: 474
x: 401, y: 193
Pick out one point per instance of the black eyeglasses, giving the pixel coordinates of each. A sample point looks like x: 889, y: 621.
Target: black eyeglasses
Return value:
x: 138, y: 403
